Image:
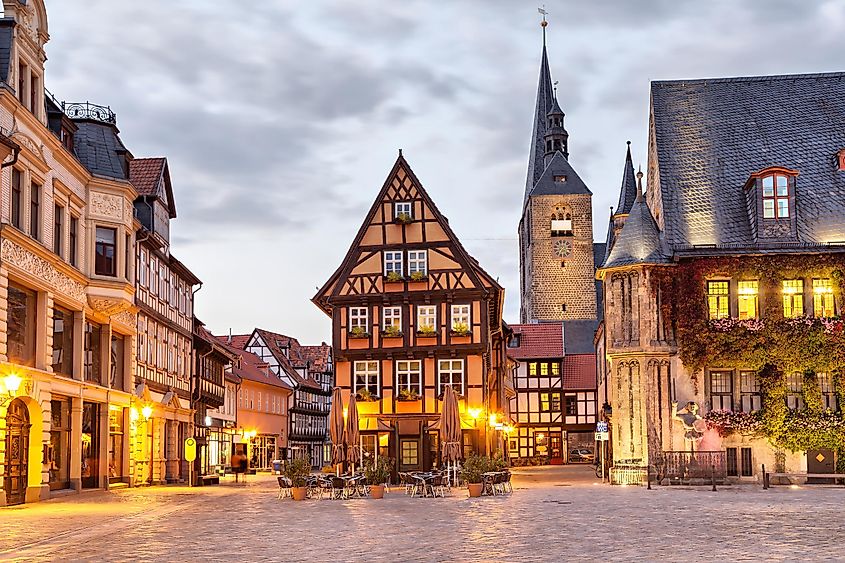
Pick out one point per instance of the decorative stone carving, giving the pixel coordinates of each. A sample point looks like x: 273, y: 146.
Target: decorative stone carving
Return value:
x: 108, y: 306
x: 27, y: 142
x: 106, y: 205
x: 17, y: 256
x: 126, y: 317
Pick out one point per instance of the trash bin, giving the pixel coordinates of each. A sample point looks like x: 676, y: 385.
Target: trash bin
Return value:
x: 277, y: 466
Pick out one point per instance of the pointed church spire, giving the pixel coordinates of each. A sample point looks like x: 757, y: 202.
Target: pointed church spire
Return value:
x: 545, y: 102
x: 628, y: 191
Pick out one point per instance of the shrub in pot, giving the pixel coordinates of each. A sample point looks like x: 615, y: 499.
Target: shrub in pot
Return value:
x: 378, y: 473
x: 473, y: 468
x: 297, y: 471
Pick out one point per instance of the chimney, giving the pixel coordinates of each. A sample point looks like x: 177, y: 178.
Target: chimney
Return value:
x: 230, y: 336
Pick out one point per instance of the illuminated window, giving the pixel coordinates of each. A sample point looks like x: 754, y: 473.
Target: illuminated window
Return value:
x: 408, y: 375
x: 823, y: 298
x: 775, y: 196
x: 721, y: 390
x: 793, y: 298
x: 450, y: 372
x: 555, y: 368
x: 718, y: 293
x: 550, y: 402
x: 532, y: 368
x: 544, y: 368
x: 410, y: 452
x: 747, y: 291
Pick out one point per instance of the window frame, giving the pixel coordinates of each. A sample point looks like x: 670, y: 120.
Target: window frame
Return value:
x: 400, y: 207
x: 793, y: 298
x: 455, y: 316
x: 101, y: 260
x: 58, y: 230
x: 773, y: 198
x: 35, y: 198
x: 718, y: 301
x: 415, y: 259
x: 721, y: 395
x: 391, y: 259
x: 405, y: 376
x: 391, y: 317
x: 16, y: 204
x: 823, y: 301
x: 73, y: 240
x: 356, y: 314
x: 747, y: 299
x: 750, y: 397
x: 28, y: 330
x: 421, y: 316
x: 451, y: 372
x: 367, y: 374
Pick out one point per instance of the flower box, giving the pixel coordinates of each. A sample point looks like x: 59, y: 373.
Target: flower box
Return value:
x: 362, y: 334
x: 393, y: 277
x: 407, y: 397
x: 391, y: 333
x: 403, y: 218
x: 418, y: 277
x: 366, y: 397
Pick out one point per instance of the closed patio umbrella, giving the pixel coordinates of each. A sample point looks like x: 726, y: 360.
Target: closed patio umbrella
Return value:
x: 450, y: 430
x: 353, y: 453
x: 336, y: 428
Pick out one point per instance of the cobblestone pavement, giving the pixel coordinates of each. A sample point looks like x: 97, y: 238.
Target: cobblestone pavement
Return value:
x: 554, y: 513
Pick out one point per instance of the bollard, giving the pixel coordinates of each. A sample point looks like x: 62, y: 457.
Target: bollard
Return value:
x: 648, y: 478
x: 763, y: 473
x: 713, y: 477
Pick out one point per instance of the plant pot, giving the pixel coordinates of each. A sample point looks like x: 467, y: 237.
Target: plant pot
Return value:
x: 299, y: 493
x: 475, y: 489
x: 377, y: 491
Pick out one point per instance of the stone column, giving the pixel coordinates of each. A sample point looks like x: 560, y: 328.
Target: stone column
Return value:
x: 79, y: 345
x: 103, y: 477
x: 76, y: 443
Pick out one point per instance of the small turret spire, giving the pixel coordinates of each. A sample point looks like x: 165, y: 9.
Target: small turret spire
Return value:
x: 640, y: 183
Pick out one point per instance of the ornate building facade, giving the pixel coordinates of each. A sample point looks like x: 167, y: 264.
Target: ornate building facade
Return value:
x: 411, y: 313
x: 67, y: 318
x: 722, y: 283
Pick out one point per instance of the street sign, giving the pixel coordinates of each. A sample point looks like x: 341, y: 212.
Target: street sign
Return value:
x: 602, y: 436
x: 190, y: 449
x: 601, y: 426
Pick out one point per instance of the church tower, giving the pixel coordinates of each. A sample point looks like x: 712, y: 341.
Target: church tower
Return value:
x: 556, y: 261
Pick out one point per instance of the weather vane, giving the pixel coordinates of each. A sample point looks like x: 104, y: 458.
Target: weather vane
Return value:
x: 543, y: 23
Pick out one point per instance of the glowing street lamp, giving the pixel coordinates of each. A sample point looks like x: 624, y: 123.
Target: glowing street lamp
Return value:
x: 12, y: 383
x: 147, y: 411
x: 474, y: 413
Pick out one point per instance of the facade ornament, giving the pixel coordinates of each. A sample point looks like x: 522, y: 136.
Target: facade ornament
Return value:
x: 106, y: 205
x: 40, y: 268
x: 108, y: 306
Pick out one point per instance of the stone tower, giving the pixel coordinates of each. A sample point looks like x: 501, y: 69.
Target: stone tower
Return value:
x: 556, y: 261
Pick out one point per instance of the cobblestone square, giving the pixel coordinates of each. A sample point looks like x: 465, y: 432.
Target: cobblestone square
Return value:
x: 554, y: 513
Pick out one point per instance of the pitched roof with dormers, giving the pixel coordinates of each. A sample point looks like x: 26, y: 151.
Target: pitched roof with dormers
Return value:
x: 710, y: 135
x: 151, y: 178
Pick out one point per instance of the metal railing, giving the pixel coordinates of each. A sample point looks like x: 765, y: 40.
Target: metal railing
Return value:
x: 87, y: 110
x: 682, y: 467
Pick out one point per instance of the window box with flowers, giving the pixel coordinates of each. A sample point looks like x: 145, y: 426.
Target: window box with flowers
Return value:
x: 461, y: 329
x: 418, y: 277
x: 403, y: 218
x: 391, y: 332
x: 427, y: 331
x: 393, y: 277
x: 408, y: 395
x: 366, y: 396
x: 358, y: 332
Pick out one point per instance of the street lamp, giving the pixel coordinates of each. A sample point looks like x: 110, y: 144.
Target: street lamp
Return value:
x: 147, y: 411
x: 12, y: 383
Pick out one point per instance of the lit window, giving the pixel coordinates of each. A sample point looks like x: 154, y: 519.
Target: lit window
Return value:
x: 409, y: 376
x: 775, y: 196
x: 717, y: 298
x: 823, y: 298
x: 550, y: 402
x: 450, y: 372
x: 358, y: 318
x: 393, y: 263
x: 417, y: 262
x: 410, y: 452
x: 460, y: 318
x: 403, y: 210
x: 366, y: 376
x: 747, y: 291
x: 532, y: 368
x: 544, y: 368
x: 793, y: 298
x: 426, y: 317
x: 721, y: 390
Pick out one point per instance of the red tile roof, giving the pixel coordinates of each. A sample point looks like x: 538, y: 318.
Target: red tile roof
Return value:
x: 536, y: 341
x: 253, y: 369
x: 579, y: 371
x: 238, y: 340
x: 145, y: 174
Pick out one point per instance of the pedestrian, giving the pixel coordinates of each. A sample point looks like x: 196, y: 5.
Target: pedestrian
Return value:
x: 236, y: 464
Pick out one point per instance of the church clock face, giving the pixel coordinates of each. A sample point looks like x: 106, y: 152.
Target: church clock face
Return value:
x: 563, y: 248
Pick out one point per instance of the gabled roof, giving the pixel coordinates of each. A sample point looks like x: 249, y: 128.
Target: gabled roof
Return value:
x: 545, y: 102
x: 628, y: 191
x: 711, y: 134
x: 639, y: 241
x: 470, y: 265
x: 290, y: 362
x: 559, y: 167
x: 537, y: 341
x: 251, y: 368
x: 151, y: 178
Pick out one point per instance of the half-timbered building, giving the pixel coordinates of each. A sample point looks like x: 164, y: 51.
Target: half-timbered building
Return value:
x: 412, y: 312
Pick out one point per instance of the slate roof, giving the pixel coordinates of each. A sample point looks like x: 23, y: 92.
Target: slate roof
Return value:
x: 145, y: 174
x: 578, y: 336
x: 628, y: 191
x: 545, y: 100
x: 7, y: 25
x: 599, y: 252
x: 711, y: 134
x: 559, y: 166
x: 540, y: 340
x: 99, y: 149
x: 639, y: 241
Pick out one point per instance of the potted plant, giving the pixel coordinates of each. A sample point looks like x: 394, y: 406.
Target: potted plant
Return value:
x: 426, y: 331
x: 418, y: 276
x: 391, y: 331
x: 408, y: 395
x: 378, y: 473
x: 460, y: 329
x: 473, y: 468
x: 297, y: 471
x: 403, y: 218
x: 393, y: 277
x: 358, y: 332
x: 365, y: 396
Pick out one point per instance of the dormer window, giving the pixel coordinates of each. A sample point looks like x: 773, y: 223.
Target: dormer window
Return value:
x: 560, y: 179
x: 841, y: 160
x: 775, y: 196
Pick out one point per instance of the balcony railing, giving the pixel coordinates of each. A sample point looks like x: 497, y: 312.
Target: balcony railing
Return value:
x: 87, y: 110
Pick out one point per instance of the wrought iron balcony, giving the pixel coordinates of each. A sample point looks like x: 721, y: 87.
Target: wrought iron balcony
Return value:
x: 87, y: 110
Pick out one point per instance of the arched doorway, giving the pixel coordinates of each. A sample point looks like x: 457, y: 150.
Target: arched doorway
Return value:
x: 17, y: 452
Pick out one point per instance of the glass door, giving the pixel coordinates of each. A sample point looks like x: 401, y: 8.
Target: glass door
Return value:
x: 90, y: 445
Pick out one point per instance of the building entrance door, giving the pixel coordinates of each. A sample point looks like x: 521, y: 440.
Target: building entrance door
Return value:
x: 820, y: 461
x: 556, y: 450
x: 17, y: 451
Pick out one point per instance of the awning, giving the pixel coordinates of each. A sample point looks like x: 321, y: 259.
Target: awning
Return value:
x: 370, y: 424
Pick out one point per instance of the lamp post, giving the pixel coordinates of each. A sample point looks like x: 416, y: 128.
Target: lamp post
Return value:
x: 12, y: 383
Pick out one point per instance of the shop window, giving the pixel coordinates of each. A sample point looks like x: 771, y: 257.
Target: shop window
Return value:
x: 91, y: 445
x: 20, y: 327
x: 58, y: 458
x: 115, y: 444
x: 116, y: 379
x: 63, y: 321
x: 793, y: 298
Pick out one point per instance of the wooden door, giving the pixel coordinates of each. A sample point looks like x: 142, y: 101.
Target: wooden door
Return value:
x: 556, y: 451
x: 17, y: 451
x: 820, y: 461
